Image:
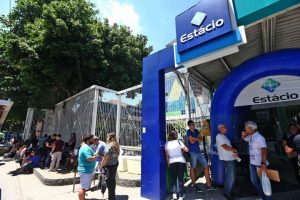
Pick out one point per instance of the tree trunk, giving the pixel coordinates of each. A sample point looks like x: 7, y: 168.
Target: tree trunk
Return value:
x: 79, y: 74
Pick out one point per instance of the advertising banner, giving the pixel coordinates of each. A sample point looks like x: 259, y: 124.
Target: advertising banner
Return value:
x: 272, y: 89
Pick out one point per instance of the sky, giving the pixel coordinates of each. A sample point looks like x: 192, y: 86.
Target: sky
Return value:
x: 153, y: 18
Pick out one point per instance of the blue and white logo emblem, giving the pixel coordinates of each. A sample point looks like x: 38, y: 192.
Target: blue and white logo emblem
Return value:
x: 202, y: 22
x: 270, y: 85
x: 198, y: 18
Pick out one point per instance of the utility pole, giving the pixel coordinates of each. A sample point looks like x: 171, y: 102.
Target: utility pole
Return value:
x: 9, y: 15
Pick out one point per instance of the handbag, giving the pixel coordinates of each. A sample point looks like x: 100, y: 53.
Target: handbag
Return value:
x: 186, y: 155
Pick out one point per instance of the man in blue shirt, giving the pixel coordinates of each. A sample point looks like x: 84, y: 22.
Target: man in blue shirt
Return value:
x: 86, y: 165
x: 99, y: 149
x: 194, y: 137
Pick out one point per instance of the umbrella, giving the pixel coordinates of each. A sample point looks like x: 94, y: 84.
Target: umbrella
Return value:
x: 102, y: 182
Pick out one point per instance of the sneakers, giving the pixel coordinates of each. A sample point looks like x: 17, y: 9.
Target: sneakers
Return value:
x: 197, y: 188
x: 174, y: 196
x: 180, y: 198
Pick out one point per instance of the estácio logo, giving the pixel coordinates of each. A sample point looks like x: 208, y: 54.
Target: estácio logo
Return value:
x: 271, y: 85
x: 197, y: 20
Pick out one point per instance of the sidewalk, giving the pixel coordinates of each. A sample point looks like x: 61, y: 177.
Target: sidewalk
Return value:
x: 29, y: 187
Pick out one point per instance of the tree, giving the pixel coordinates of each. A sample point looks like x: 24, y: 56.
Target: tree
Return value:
x: 52, y: 49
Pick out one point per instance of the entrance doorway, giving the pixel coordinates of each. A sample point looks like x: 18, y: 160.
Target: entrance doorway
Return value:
x: 272, y: 121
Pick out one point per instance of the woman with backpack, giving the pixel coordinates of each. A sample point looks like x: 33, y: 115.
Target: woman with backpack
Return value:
x: 176, y: 162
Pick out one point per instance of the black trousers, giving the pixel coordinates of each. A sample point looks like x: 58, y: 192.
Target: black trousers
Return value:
x: 294, y: 162
x: 177, y: 171
x: 111, y: 181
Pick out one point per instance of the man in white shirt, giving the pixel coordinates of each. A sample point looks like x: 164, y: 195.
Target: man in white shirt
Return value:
x: 226, y: 152
x: 258, y: 155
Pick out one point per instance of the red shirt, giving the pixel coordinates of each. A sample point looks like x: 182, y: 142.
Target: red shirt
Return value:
x: 59, y: 144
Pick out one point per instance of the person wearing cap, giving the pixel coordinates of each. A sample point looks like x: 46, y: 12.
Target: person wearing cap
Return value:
x: 227, y: 155
x: 258, y: 155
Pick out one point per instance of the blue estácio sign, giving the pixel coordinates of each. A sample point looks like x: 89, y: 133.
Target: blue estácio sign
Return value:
x: 202, y: 22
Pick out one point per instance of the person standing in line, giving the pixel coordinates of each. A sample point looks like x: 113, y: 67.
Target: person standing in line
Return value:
x: 72, y: 142
x: 86, y: 165
x: 56, y: 152
x: 99, y: 149
x: 292, y: 148
x: 194, y: 137
x: 111, y: 162
x: 176, y: 162
x: 226, y: 154
x: 258, y: 155
x: 42, y: 148
x: 49, y: 145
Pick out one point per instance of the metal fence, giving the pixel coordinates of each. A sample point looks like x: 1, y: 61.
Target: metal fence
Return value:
x: 131, y: 116
x: 98, y: 110
x: 74, y: 115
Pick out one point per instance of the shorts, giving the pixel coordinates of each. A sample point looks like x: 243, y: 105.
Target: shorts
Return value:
x: 200, y: 157
x: 85, y: 180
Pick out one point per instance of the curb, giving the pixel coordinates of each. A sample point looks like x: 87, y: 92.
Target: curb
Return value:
x: 128, y: 182
x: 52, y: 181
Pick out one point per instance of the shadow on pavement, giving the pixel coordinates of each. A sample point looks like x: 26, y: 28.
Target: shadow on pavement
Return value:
x: 118, y: 197
x: 122, y: 197
x: 17, y: 172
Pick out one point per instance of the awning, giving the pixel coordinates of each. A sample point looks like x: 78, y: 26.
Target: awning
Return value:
x: 280, y: 31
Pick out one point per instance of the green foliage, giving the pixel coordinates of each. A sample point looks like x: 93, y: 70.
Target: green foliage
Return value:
x: 52, y: 49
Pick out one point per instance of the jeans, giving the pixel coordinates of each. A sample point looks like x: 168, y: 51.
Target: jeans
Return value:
x: 48, y: 159
x: 177, y: 171
x: 229, y: 181
x: 111, y: 181
x: 200, y: 157
x: 255, y: 180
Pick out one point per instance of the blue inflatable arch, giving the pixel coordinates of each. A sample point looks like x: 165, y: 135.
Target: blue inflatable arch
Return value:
x: 283, y: 62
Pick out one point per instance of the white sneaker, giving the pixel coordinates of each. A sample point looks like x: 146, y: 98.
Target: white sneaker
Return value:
x: 180, y: 198
x: 174, y: 196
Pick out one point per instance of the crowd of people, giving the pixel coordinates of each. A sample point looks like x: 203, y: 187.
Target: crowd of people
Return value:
x: 92, y: 155
x: 54, y: 154
x: 176, y: 159
x: 49, y: 152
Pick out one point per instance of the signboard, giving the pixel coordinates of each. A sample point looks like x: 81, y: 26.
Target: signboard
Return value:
x: 272, y: 89
x: 203, y: 22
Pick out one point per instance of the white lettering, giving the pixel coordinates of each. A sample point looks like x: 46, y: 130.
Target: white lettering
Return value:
x: 220, y: 22
x: 183, y: 38
x: 202, y: 30
x: 190, y: 36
